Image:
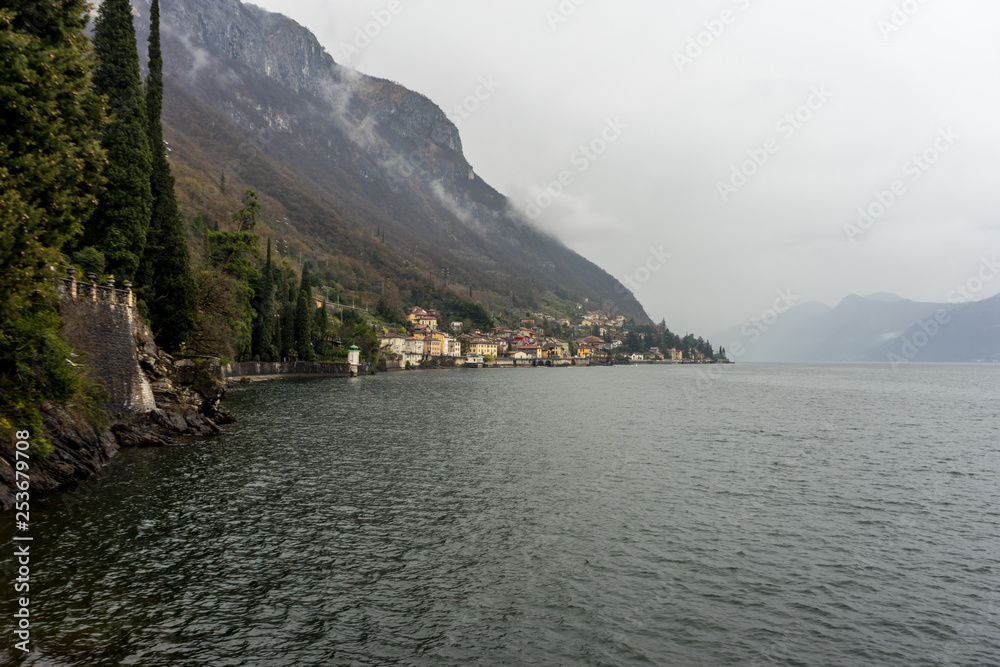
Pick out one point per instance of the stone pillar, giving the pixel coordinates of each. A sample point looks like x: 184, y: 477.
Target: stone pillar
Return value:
x: 72, y: 282
x: 92, y: 277
x: 111, y: 284
x: 129, y: 295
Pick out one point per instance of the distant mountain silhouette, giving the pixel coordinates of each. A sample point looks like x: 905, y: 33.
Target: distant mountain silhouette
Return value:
x: 963, y: 333
x: 878, y: 328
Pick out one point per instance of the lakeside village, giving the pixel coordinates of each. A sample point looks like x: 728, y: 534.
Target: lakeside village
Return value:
x: 426, y: 340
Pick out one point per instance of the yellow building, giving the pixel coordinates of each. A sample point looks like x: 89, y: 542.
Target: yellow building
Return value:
x: 483, y: 347
x: 415, y: 314
x: 433, y: 345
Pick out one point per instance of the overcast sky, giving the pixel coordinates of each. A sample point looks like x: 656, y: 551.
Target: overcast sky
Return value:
x: 832, y: 101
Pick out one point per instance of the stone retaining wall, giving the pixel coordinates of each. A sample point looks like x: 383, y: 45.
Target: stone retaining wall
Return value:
x: 101, y: 323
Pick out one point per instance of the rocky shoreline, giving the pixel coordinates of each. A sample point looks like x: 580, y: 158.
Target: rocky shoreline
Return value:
x: 187, y: 395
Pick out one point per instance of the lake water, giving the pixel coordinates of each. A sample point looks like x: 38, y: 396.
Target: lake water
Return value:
x: 741, y: 515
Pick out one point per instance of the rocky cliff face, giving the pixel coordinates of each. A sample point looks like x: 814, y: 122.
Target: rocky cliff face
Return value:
x: 152, y: 397
x: 345, y: 154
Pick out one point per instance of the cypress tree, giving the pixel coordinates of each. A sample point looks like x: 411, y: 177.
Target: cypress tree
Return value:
x: 288, y: 324
x: 119, y: 226
x: 303, y: 318
x: 306, y: 284
x: 322, y: 327
x: 168, y: 285
x: 275, y: 353
x: 265, y: 328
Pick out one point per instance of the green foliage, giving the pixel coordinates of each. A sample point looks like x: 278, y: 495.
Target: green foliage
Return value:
x: 223, y: 315
x: 93, y: 398
x: 321, y: 334
x: 288, y: 330
x: 34, y: 357
x: 50, y: 175
x: 304, y: 318
x: 225, y: 297
x: 303, y: 327
x: 231, y: 250
x: 358, y: 332
x: 634, y: 344
x: 50, y: 154
x: 264, y: 330
x: 35, y: 366
x: 166, y: 280
x: 389, y: 313
x: 90, y: 259
x: 119, y: 226
x: 289, y: 302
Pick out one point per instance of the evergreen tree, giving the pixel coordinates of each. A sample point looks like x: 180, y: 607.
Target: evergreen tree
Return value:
x: 306, y: 284
x: 119, y: 226
x: 288, y: 324
x: 229, y: 257
x: 50, y: 175
x: 303, y: 318
x: 276, y: 337
x: 265, y: 327
x: 231, y: 250
x: 168, y: 286
x: 50, y: 154
x: 320, y: 331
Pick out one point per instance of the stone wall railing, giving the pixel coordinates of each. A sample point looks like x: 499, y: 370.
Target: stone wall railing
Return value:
x: 90, y: 290
x: 302, y: 368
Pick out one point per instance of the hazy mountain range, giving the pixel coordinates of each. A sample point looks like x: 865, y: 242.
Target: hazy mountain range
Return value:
x: 359, y: 176
x: 878, y: 328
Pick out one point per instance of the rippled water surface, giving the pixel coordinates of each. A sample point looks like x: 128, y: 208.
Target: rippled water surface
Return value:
x: 744, y: 515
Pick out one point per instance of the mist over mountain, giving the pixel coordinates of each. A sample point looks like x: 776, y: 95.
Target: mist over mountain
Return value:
x: 355, y: 172
x: 878, y: 328
x: 967, y: 332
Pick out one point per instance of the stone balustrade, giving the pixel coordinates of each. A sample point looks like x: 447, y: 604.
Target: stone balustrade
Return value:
x: 90, y: 290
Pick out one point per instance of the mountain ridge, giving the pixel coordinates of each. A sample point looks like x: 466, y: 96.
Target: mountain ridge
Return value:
x: 359, y: 175
x: 874, y: 329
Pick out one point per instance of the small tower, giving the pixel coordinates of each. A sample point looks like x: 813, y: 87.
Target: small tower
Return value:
x: 354, y: 359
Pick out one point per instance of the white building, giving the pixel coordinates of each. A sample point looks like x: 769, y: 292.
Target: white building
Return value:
x: 393, y: 343
x: 414, y: 346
